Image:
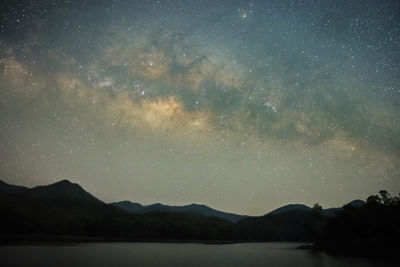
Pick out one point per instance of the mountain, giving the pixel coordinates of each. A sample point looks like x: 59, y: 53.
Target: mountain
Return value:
x: 65, y: 210
x: 128, y: 206
x: 293, y: 222
x: 133, y: 207
x: 290, y: 207
x: 192, y: 208
x: 60, y: 190
x: 7, y: 188
x: 64, y: 189
x: 327, y: 212
x: 358, y: 203
x: 60, y: 208
x: 355, y: 203
x: 292, y: 225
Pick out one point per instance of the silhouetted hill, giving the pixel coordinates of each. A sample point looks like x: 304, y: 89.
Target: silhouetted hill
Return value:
x: 192, y: 208
x: 357, y: 203
x: 332, y: 211
x: 63, y: 190
x: 289, y: 225
x: 327, y: 212
x: 7, y: 188
x: 128, y: 206
x: 290, y: 207
x: 60, y: 208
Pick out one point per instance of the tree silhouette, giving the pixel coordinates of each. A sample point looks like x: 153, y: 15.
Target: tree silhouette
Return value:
x: 317, y: 209
x: 372, y: 229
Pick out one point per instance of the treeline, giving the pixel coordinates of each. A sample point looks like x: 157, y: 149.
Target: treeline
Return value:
x: 373, y: 229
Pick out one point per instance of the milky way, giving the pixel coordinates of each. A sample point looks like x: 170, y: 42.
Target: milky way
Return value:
x: 241, y: 105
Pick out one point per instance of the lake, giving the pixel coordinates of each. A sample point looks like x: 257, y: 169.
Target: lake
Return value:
x: 174, y: 254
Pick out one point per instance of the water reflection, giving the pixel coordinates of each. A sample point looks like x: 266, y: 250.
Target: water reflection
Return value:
x: 171, y: 254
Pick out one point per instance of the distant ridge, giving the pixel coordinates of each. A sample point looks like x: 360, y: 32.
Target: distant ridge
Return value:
x: 134, y: 207
x: 192, y: 208
x: 65, y: 209
x: 128, y: 206
x: 289, y: 207
x: 4, y: 187
x: 355, y: 203
x: 301, y: 207
x: 65, y: 189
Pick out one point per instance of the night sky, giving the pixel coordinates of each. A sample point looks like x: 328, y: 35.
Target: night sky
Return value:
x: 240, y: 105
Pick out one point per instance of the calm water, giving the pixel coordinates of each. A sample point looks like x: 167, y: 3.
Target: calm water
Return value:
x: 166, y: 254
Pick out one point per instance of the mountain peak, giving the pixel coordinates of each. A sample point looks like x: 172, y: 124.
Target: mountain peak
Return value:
x: 290, y: 207
x: 158, y: 205
x: 127, y: 202
x: 197, y: 205
x: 64, y: 181
x: 128, y: 205
x: 64, y: 189
x: 357, y: 203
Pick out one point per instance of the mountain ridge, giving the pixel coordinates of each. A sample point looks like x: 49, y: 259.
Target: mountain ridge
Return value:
x: 68, y: 189
x: 66, y: 209
x: 327, y: 212
x: 134, y: 207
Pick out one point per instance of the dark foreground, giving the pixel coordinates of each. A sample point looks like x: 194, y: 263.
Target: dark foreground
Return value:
x: 65, y: 212
x: 174, y: 254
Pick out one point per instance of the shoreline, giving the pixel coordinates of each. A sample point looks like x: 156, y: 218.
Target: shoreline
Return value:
x: 377, y: 254
x: 60, y: 240
x: 42, y: 240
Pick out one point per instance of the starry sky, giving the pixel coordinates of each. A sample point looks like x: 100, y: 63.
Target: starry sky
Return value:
x: 244, y: 106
